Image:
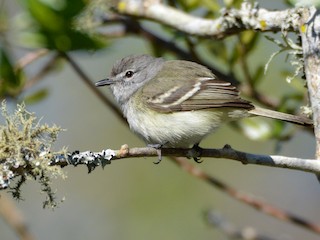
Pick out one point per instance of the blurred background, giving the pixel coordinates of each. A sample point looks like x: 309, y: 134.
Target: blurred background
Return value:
x: 133, y: 198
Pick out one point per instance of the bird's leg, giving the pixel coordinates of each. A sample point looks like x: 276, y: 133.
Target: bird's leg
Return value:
x: 158, y: 147
x: 195, y: 153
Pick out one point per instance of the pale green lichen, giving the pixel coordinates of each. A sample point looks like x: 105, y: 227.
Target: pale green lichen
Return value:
x: 293, y: 50
x: 26, y: 152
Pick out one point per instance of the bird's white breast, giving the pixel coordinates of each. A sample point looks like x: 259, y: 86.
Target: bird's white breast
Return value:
x: 178, y: 129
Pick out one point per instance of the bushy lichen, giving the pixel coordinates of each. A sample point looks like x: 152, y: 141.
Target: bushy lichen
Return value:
x: 26, y: 152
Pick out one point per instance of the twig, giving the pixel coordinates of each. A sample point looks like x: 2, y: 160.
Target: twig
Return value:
x: 251, y: 88
x: 91, y: 86
x: 30, y: 57
x: 247, y: 198
x: 14, y: 218
x: 44, y: 70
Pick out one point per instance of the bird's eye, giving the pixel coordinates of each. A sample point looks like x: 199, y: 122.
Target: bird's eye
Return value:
x: 129, y: 74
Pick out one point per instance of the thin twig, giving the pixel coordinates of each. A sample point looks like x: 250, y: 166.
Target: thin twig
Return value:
x: 31, y: 57
x: 91, y: 86
x: 44, y: 71
x: 252, y: 91
x: 246, y: 197
x: 14, y: 218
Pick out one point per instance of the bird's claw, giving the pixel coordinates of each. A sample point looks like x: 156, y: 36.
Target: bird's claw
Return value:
x: 197, y: 159
x: 158, y: 147
x: 195, y: 153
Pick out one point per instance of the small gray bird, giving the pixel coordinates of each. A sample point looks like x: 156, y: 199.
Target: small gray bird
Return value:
x: 177, y: 103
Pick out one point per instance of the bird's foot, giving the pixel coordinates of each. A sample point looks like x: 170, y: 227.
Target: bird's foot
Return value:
x: 195, y: 153
x: 158, y: 147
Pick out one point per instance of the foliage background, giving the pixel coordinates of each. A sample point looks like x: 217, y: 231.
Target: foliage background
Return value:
x: 135, y: 199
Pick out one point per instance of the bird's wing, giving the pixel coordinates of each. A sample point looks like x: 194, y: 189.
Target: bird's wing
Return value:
x: 187, y: 86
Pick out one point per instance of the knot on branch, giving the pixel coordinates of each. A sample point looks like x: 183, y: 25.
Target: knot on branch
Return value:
x: 124, y: 150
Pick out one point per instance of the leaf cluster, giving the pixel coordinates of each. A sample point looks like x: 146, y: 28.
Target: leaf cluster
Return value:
x: 51, y: 24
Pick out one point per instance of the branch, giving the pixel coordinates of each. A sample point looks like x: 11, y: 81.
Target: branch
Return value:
x: 49, y: 66
x: 310, y: 33
x: 83, y: 76
x: 232, y: 21
x: 14, y: 218
x: 31, y: 57
x: 246, y: 198
x: 94, y: 159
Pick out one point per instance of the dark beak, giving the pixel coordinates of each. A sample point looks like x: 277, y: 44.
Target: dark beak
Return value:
x: 104, y: 82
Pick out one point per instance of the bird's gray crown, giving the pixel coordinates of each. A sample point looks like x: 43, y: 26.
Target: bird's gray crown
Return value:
x: 135, y: 62
x: 131, y: 73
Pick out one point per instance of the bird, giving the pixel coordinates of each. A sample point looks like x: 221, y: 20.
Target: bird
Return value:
x: 177, y: 103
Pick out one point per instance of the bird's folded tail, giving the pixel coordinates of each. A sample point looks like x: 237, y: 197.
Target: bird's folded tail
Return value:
x: 300, y: 120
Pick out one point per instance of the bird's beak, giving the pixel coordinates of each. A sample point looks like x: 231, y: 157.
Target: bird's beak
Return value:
x: 104, y: 82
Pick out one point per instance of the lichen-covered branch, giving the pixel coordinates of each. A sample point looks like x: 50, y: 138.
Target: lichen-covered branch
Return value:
x: 94, y: 159
x: 26, y: 151
x: 105, y: 157
x: 248, y: 17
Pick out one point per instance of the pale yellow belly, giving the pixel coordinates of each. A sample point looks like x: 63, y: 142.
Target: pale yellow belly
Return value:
x: 180, y: 129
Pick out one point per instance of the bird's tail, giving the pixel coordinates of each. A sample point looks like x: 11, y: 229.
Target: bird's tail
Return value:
x: 300, y: 120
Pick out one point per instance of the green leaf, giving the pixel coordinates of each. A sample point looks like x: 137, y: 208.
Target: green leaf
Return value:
x: 81, y: 40
x: 8, y: 75
x: 305, y: 3
x: 72, y: 8
x: 218, y: 48
x: 10, y: 80
x: 190, y: 5
x: 258, y: 75
x: 233, y: 3
x: 37, y: 96
x: 46, y: 17
x: 54, y: 26
x: 235, y: 54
